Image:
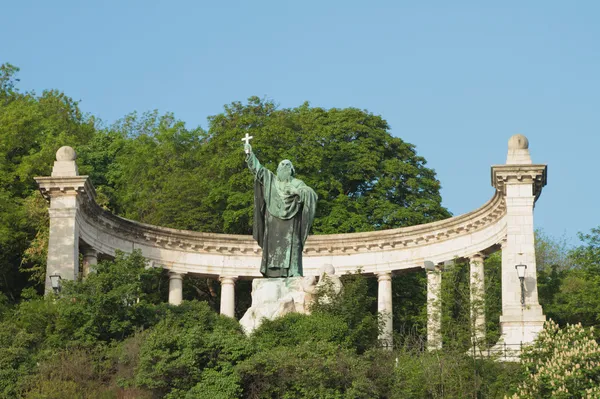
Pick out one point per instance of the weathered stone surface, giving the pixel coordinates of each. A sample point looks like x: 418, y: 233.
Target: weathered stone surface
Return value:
x: 521, y: 183
x: 275, y: 297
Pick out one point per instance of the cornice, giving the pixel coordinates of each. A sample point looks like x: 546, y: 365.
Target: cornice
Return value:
x: 316, y: 245
x: 61, y: 186
x: 535, y: 174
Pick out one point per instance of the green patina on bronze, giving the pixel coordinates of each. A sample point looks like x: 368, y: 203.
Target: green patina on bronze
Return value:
x: 284, y: 210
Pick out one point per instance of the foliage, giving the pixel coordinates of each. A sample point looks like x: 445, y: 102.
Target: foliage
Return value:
x: 120, y: 298
x: 8, y: 79
x: 562, y: 363
x: 295, y: 329
x: 353, y: 305
x: 570, y: 290
x: 308, y: 370
x: 155, y: 170
x: 455, y: 299
x: 449, y: 374
x: 107, y: 307
x: 183, y: 346
x: 493, y: 297
x: 365, y: 178
x: 145, y: 166
x: 409, y: 291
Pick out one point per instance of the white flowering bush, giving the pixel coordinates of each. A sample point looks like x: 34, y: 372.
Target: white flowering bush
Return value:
x: 561, y: 363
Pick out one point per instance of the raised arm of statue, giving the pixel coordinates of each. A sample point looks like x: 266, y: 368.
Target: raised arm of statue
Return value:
x: 253, y: 163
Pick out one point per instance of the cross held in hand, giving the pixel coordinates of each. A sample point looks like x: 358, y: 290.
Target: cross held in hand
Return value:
x: 247, y: 138
x: 247, y: 141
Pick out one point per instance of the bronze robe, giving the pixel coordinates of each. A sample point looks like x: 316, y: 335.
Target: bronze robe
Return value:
x: 281, y: 221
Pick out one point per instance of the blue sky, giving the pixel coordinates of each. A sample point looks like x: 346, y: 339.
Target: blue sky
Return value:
x: 456, y: 79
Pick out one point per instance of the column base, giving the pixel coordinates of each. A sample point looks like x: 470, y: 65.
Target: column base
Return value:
x: 519, y: 327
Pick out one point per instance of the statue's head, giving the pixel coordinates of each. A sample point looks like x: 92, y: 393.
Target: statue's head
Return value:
x: 285, y: 170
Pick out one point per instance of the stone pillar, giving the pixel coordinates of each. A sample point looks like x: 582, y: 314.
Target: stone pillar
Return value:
x: 434, y: 308
x: 175, y: 288
x: 228, y: 296
x: 63, y: 190
x: 90, y: 260
x: 477, y: 297
x: 384, y: 308
x: 521, y: 183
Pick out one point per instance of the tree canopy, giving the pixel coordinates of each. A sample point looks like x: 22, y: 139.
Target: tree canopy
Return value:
x: 158, y: 171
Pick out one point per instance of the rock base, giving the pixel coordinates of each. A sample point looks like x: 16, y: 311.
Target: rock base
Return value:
x: 275, y: 297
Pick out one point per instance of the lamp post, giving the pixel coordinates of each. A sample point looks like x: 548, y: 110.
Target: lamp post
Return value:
x: 521, y: 273
x: 55, y: 281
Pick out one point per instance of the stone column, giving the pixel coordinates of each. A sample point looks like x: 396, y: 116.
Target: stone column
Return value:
x: 521, y: 183
x: 384, y: 308
x: 63, y: 189
x: 434, y: 308
x: 228, y: 296
x: 477, y: 297
x: 90, y: 260
x: 175, y: 288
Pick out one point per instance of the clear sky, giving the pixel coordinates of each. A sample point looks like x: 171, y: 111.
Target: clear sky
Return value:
x: 454, y: 78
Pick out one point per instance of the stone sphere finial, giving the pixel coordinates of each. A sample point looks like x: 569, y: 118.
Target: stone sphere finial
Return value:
x: 518, y: 142
x: 66, y: 153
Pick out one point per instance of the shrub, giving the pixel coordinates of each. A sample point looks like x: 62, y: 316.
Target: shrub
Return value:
x: 191, y: 339
x: 562, y: 363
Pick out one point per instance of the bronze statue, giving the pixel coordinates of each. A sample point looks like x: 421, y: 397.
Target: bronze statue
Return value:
x: 284, y: 210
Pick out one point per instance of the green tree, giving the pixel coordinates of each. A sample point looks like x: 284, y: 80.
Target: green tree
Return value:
x: 8, y: 73
x: 166, y: 174
x: 578, y: 298
x: 147, y: 164
x: 32, y: 128
x: 365, y: 178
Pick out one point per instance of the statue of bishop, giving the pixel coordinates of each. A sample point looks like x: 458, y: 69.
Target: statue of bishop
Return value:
x: 284, y: 210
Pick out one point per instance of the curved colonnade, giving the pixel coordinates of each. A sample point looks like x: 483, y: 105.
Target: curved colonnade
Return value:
x: 505, y: 221
x: 216, y: 255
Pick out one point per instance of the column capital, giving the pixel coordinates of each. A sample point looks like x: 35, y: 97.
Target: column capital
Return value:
x: 175, y: 275
x: 89, y: 251
x: 384, y: 276
x: 63, y: 186
x: 437, y: 268
x: 228, y: 279
x: 503, y: 175
x: 477, y: 257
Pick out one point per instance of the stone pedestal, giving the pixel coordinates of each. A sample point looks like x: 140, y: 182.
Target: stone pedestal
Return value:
x: 63, y: 190
x: 521, y: 183
x: 275, y: 297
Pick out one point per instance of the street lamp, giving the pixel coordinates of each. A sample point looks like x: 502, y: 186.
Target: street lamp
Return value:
x: 521, y: 273
x: 55, y: 282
